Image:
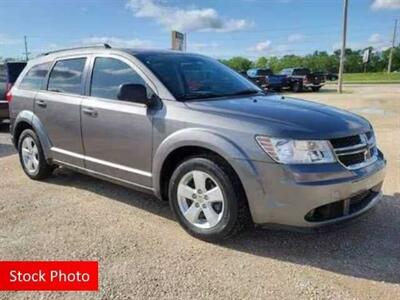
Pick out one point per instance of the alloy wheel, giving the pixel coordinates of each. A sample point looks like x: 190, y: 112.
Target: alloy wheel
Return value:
x: 30, y: 155
x: 200, y: 199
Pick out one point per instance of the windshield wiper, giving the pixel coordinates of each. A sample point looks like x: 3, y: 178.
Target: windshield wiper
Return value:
x: 200, y: 95
x: 246, y: 92
x: 205, y: 95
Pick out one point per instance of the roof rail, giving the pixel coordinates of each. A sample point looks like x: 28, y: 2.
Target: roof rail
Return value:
x: 105, y: 46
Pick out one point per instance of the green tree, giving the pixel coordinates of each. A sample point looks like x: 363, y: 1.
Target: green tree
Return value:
x: 239, y: 63
x: 261, y: 62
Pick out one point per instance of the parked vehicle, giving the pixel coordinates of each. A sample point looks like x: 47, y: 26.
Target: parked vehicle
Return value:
x: 266, y: 79
x: 328, y: 76
x: 189, y: 129
x: 300, y: 79
x: 9, y: 72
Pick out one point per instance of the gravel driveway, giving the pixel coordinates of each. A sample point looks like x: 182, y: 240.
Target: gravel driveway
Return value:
x: 144, y: 253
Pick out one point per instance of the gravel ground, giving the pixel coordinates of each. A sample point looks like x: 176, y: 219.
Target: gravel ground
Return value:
x: 143, y: 253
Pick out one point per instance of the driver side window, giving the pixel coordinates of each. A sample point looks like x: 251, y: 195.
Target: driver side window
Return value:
x: 109, y: 74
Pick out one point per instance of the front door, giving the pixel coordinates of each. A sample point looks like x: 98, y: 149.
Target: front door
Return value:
x: 117, y: 135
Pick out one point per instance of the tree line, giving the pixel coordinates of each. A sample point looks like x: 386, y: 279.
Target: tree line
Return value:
x: 320, y: 61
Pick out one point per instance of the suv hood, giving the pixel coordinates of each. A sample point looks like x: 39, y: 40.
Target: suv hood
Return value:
x: 286, y: 117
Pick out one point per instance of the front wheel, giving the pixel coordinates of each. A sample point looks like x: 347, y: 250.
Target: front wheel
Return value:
x: 32, y: 157
x: 316, y: 89
x: 206, y: 199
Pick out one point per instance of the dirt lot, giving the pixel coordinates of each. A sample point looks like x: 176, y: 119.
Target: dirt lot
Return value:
x: 143, y: 252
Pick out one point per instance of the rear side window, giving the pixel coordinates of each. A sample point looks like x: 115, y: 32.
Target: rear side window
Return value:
x: 14, y: 69
x: 33, y: 80
x: 109, y: 74
x: 66, y: 76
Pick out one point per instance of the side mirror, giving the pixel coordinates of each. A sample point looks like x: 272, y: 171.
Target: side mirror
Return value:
x: 133, y: 92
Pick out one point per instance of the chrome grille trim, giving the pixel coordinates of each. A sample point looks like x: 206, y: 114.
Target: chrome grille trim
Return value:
x: 367, y: 146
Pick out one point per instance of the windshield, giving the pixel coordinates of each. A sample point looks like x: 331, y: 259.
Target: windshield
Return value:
x: 264, y: 72
x: 193, y: 76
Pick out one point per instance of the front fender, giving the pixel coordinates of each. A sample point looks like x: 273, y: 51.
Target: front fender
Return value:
x: 205, y: 138
x: 30, y: 118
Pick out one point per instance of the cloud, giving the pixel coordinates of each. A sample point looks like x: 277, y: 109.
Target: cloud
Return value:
x: 295, y: 38
x: 203, y: 47
x: 375, y: 38
x: 261, y: 47
x: 386, y: 4
x: 185, y: 20
x: 117, y: 42
x: 378, y: 42
x: 268, y: 48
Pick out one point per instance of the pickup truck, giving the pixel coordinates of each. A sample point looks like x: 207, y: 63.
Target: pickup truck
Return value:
x: 300, y: 79
x: 266, y: 79
x: 328, y: 76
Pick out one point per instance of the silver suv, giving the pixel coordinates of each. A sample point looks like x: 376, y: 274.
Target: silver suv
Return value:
x: 191, y: 130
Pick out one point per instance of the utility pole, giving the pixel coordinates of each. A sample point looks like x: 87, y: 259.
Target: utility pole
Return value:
x: 393, y: 44
x: 26, y: 49
x: 342, y: 53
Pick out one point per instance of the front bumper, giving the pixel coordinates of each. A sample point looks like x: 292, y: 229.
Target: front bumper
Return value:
x: 311, y: 195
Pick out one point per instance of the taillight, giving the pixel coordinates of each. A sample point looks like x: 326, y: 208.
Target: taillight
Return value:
x: 305, y: 79
x: 8, y: 93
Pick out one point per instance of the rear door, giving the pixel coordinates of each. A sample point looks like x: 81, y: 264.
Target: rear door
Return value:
x: 117, y: 134
x: 58, y: 108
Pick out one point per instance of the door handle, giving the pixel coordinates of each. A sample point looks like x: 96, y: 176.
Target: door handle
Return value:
x: 41, y: 103
x: 89, y: 111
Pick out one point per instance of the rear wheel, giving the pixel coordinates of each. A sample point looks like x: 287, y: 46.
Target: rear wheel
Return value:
x: 297, y: 87
x: 32, y: 157
x: 206, y: 200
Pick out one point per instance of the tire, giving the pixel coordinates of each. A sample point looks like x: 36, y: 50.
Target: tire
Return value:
x: 297, y: 87
x: 217, y: 220
x: 316, y: 89
x: 32, y: 157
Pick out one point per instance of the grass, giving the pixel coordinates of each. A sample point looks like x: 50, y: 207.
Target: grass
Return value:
x: 372, y: 77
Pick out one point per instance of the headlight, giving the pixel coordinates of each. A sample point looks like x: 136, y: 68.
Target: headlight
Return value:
x: 289, y: 151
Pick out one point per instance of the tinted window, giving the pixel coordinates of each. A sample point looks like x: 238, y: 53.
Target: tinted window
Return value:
x: 14, y: 69
x: 109, y: 74
x: 33, y: 80
x: 194, y: 76
x: 2, y: 74
x: 301, y: 72
x: 66, y: 76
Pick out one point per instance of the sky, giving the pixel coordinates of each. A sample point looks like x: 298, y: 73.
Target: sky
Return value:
x: 219, y: 28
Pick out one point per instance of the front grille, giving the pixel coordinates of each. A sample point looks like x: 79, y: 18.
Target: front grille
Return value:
x: 352, y: 159
x: 346, y: 141
x: 355, y: 151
